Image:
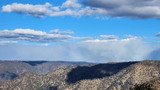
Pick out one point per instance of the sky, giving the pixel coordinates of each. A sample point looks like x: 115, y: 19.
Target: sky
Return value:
x: 80, y: 30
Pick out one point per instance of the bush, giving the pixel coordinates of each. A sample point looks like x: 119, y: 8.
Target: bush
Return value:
x: 144, y: 86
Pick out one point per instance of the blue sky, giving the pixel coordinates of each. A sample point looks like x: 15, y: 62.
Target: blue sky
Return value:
x: 84, y: 25
x: 101, y: 20
x: 81, y: 25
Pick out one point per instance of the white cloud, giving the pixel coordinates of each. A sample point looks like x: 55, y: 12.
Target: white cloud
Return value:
x: 35, y: 10
x: 57, y: 31
x: 71, y: 4
x: 33, y: 35
x: 2, y: 42
x: 25, y: 31
x: 68, y: 8
x: 98, y: 40
x: 110, y: 37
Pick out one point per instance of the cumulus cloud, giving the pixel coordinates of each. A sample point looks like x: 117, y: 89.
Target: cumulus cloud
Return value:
x: 68, y: 8
x: 35, y: 10
x: 128, y: 8
x: 105, y: 8
x: 71, y: 4
x: 34, y: 35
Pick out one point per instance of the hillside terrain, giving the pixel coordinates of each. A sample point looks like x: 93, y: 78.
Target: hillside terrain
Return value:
x: 10, y: 70
x: 106, y: 76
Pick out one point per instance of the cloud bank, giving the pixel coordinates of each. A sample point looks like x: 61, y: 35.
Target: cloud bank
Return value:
x: 95, y: 50
x: 30, y: 44
x: 105, y: 8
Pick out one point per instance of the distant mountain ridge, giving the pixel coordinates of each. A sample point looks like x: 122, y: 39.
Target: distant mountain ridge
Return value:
x: 9, y: 70
x: 107, y: 76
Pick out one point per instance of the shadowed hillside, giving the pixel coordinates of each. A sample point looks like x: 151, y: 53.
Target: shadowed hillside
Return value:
x: 34, y: 63
x: 96, y: 71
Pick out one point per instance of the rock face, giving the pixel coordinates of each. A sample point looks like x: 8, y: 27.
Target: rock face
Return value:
x: 113, y: 76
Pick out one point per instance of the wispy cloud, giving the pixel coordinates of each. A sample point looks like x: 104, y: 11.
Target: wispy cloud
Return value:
x: 114, y: 8
x: 108, y: 37
x: 58, y: 31
x: 34, y: 35
x: 56, y: 35
x: 4, y: 42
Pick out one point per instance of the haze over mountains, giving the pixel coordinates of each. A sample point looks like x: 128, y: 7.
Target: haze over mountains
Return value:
x: 42, y: 75
x: 154, y: 55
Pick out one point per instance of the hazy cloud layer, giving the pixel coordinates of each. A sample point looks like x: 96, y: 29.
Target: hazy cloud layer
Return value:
x: 127, y: 49
x: 103, y: 48
x: 105, y: 8
x: 34, y: 35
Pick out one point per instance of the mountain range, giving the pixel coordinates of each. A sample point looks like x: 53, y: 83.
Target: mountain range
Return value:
x: 60, y: 75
